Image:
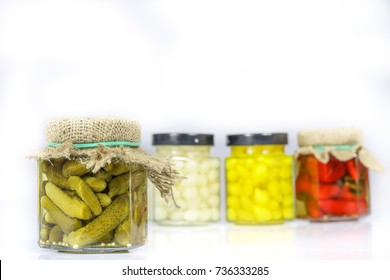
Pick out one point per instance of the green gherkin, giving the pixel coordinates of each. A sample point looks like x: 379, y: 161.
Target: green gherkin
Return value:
x: 107, y: 221
x: 74, y: 168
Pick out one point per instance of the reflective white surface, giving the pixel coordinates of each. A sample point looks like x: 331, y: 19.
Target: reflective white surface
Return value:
x: 365, y: 239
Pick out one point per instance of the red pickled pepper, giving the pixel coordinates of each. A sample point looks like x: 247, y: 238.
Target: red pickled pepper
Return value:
x: 346, y: 193
x: 306, y: 185
x: 343, y: 207
x: 352, y: 170
x: 313, y: 209
x: 356, y: 169
x: 330, y: 197
x: 328, y: 191
x: 331, y: 171
x: 341, y: 201
x: 338, y: 188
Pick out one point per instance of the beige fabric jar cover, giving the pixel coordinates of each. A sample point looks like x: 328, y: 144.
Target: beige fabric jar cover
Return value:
x: 343, y: 144
x: 97, y: 142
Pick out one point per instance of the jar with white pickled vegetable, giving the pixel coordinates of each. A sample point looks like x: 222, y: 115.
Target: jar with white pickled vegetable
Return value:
x: 259, y: 179
x: 198, y: 193
x: 93, y: 186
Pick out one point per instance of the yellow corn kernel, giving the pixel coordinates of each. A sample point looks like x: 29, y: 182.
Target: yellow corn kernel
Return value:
x: 287, y: 200
x: 244, y: 216
x: 274, y: 189
x: 277, y: 214
x: 259, y: 174
x: 233, y: 188
x: 231, y: 175
x: 288, y: 213
x: 272, y: 174
x: 231, y: 163
x: 287, y: 162
x: 243, y: 172
x: 247, y: 189
x: 231, y: 214
x: 273, y: 204
x: 249, y: 163
x: 285, y: 173
x: 261, y: 197
x: 262, y: 214
x: 270, y: 162
x: 285, y: 187
x: 232, y: 202
x: 245, y: 203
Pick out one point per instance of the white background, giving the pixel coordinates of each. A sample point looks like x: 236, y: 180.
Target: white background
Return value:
x: 194, y: 66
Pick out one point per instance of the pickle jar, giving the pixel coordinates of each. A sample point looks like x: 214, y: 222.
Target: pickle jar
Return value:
x: 198, y: 193
x: 259, y: 179
x: 332, y: 175
x: 93, y: 186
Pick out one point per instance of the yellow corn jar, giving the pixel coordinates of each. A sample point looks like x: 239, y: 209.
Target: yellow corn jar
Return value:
x: 198, y: 193
x: 92, y: 181
x: 259, y: 179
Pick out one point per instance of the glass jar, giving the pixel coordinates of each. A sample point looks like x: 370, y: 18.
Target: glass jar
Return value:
x: 198, y: 193
x: 332, y: 183
x: 92, y: 190
x: 259, y: 179
x: 81, y: 210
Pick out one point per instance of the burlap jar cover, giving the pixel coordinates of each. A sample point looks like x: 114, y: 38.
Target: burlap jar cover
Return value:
x: 343, y: 144
x: 97, y: 142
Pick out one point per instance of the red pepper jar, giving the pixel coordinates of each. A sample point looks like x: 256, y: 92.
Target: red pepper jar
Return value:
x: 332, y: 175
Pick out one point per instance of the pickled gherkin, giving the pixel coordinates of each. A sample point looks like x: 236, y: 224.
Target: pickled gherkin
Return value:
x: 54, y: 174
x: 110, y: 219
x: 92, y: 179
x: 96, y: 184
x: 71, y: 206
x: 104, y: 199
x: 86, y: 210
x: 102, y: 174
x: 123, y: 232
x: 74, y: 168
x: 119, y: 185
x: 86, y: 194
x: 56, y: 234
x: 66, y: 223
x: 117, y: 168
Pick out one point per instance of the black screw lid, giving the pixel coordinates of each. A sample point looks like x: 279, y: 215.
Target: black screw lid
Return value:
x: 183, y: 139
x: 257, y: 139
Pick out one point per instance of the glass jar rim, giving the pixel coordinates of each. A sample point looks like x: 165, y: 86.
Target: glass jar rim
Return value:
x: 194, y: 139
x: 257, y: 139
